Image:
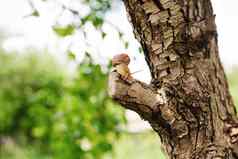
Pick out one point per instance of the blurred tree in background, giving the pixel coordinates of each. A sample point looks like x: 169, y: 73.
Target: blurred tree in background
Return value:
x: 67, y: 117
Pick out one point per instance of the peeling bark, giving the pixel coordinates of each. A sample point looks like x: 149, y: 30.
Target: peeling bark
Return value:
x: 187, y: 103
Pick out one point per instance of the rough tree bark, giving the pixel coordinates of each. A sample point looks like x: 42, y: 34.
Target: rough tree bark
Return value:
x: 188, y: 102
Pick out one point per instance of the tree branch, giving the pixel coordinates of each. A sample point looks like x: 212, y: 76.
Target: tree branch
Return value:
x: 135, y: 95
x: 151, y: 103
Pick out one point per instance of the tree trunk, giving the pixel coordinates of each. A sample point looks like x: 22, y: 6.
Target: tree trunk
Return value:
x: 188, y: 102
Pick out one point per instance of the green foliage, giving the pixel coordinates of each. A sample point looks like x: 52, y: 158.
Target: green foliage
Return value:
x: 86, y: 120
x: 64, y: 31
x: 28, y: 87
x: 71, y: 117
x: 92, y: 17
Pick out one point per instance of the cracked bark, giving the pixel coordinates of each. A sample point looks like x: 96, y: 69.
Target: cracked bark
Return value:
x: 187, y: 103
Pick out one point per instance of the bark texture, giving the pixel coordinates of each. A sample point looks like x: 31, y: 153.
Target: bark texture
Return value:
x: 188, y: 102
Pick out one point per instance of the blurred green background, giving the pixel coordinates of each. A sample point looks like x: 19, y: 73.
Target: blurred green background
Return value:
x: 48, y: 111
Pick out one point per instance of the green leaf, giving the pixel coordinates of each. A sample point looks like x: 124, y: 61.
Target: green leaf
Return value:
x: 71, y: 55
x: 97, y: 21
x: 35, y: 13
x: 140, y: 50
x: 120, y: 34
x: 64, y: 31
x: 103, y: 34
x: 126, y: 44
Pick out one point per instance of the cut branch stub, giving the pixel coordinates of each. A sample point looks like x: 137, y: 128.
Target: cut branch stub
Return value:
x: 135, y: 95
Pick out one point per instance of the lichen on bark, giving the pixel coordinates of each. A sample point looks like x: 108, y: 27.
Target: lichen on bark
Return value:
x: 195, y: 116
